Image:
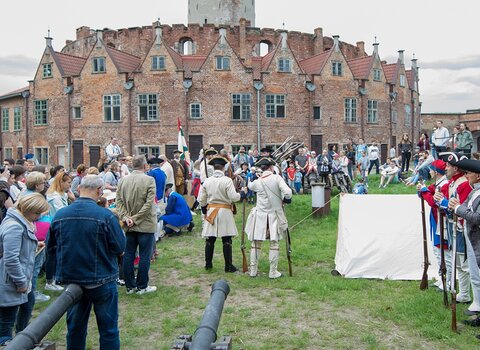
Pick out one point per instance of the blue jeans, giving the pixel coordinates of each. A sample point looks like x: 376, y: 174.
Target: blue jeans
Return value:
x: 39, y: 260
x: 18, y: 316
x: 144, y: 242
x: 105, y: 305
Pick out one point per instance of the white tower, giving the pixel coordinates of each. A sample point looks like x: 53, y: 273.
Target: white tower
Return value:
x: 219, y: 12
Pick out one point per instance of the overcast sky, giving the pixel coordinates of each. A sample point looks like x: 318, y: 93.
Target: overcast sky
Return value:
x: 443, y: 34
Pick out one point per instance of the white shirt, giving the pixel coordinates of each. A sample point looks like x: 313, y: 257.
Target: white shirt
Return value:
x: 441, y: 137
x: 113, y: 151
x: 373, y: 153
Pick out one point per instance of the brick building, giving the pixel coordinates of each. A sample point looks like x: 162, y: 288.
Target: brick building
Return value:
x: 229, y: 85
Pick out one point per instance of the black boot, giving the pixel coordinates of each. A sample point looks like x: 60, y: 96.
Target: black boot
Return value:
x: 191, y: 226
x: 209, y: 248
x: 227, y: 254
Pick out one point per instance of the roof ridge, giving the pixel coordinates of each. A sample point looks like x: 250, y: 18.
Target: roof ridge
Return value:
x: 120, y: 51
x: 73, y: 56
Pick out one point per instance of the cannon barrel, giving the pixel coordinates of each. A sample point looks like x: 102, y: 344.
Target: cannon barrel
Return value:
x: 206, y: 333
x: 34, y: 333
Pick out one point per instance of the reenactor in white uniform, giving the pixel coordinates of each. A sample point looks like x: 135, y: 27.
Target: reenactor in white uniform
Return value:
x: 216, y: 197
x: 206, y: 170
x: 267, y: 219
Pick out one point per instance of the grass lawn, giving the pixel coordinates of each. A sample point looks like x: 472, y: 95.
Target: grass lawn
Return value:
x: 311, y: 310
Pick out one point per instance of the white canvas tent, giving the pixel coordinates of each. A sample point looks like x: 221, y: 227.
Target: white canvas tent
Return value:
x: 380, y: 236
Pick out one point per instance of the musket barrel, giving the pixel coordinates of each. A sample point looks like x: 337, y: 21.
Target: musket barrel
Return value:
x: 39, y: 328
x: 206, y: 333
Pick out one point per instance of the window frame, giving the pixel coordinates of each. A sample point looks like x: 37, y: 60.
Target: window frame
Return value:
x: 41, y: 154
x: 200, y: 116
x: 220, y: 63
x: 5, y: 119
x: 372, y: 112
x: 155, y: 63
x: 244, y: 106
x: 149, y: 149
x: 112, y: 109
x: 47, y: 68
x: 17, y: 118
x: 402, y: 80
x: 272, y: 108
x: 74, y: 112
x: 40, y: 113
x: 377, y: 74
x: 408, y: 115
x: 350, y: 111
x: 319, y: 113
x: 337, y: 68
x: 281, y: 67
x: 96, y: 66
x: 152, y: 113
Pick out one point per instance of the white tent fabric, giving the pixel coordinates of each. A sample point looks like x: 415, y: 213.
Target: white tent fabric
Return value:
x: 380, y: 236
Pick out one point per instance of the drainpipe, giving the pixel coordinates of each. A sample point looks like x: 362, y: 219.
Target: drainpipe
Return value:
x: 26, y: 95
x: 187, y: 84
x: 129, y: 86
x: 311, y: 89
x: 68, y: 91
x: 362, y: 92
x: 258, y: 86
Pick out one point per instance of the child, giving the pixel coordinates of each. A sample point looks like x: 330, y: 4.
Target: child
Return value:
x: 360, y: 188
x: 298, y: 180
x: 291, y: 175
x: 363, y: 164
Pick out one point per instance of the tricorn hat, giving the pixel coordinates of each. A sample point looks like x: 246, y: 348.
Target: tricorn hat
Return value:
x: 266, y: 150
x: 471, y: 165
x: 155, y: 160
x: 218, y: 160
x: 451, y: 157
x: 210, y: 151
x: 177, y: 151
x: 168, y: 186
x: 265, y: 161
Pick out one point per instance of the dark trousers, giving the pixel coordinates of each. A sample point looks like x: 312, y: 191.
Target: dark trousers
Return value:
x: 465, y: 151
x: 18, y: 316
x: 144, y: 242
x: 375, y: 163
x: 104, y: 300
x: 406, y: 161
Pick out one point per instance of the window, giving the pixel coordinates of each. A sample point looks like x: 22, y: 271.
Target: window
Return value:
x: 41, y: 154
x: 158, y: 62
x: 17, y: 118
x: 317, y: 113
x: 408, y: 115
x: 41, y: 112
x: 8, y: 153
x: 394, y: 116
x: 149, y: 151
x: 351, y: 110
x: 147, y: 107
x: 111, y: 108
x: 337, y: 68
x: 284, y: 65
x: 377, y: 75
x: 275, y: 106
x: 5, y: 119
x: 99, y: 65
x: 47, y: 70
x: 402, y: 80
x: 195, y: 110
x: 241, y: 105
x: 372, y: 109
x: 223, y: 63
x: 77, y: 112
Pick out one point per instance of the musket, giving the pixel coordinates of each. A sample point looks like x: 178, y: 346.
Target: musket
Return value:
x: 242, y: 247
x: 426, y: 263
x: 453, y: 280
x: 443, y: 267
x: 283, y: 144
x: 289, y: 253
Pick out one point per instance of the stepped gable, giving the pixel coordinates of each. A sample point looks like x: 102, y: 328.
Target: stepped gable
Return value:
x: 361, y: 66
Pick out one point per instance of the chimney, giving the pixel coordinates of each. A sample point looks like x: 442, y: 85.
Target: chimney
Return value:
x: 99, y: 38
x: 158, y: 33
x: 243, y: 38
x: 284, y: 39
x: 223, y: 34
x: 335, y: 42
x: 401, y: 57
x: 375, y: 48
x: 361, y: 48
x: 318, y: 41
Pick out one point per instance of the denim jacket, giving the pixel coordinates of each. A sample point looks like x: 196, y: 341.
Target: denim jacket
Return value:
x: 85, y: 241
x: 17, y: 257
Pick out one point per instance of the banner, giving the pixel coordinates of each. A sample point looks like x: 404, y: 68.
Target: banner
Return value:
x: 182, y: 145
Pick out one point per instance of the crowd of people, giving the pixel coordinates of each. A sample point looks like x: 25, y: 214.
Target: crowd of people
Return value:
x: 126, y: 204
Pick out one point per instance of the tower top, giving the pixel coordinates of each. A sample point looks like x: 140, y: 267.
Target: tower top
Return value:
x: 218, y: 12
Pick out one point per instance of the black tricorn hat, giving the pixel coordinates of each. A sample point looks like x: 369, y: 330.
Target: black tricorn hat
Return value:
x: 471, y: 165
x: 177, y: 151
x: 168, y: 186
x: 265, y: 161
x: 210, y: 151
x: 266, y: 149
x: 452, y: 157
x: 155, y: 160
x: 218, y: 160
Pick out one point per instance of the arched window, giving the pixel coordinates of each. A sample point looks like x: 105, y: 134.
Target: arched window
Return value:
x: 186, y: 46
x: 265, y: 47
